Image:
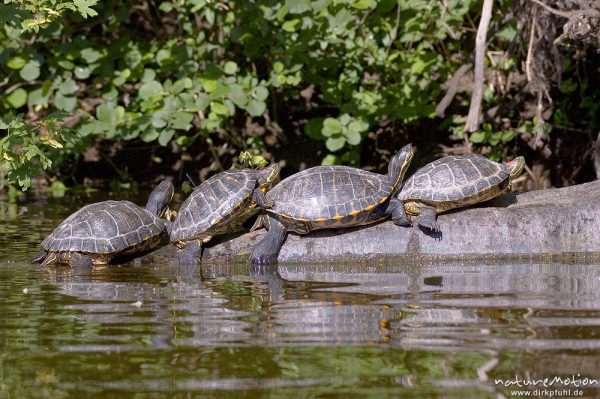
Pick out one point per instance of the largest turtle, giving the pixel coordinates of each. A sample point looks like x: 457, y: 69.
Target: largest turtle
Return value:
x: 98, y: 232
x: 325, y: 197
x: 220, y: 205
x: 451, y: 182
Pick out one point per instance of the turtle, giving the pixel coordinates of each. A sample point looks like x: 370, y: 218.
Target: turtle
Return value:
x: 98, y: 232
x: 325, y: 197
x: 451, y: 182
x: 220, y: 205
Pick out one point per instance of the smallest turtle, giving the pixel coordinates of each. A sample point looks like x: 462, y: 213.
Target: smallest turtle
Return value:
x: 98, y: 232
x: 452, y: 182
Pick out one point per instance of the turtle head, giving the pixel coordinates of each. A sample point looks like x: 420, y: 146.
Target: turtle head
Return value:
x: 160, y: 197
x: 515, y: 167
x: 399, y: 165
x: 268, y: 177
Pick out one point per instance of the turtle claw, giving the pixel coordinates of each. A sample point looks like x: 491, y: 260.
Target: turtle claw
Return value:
x: 431, y: 225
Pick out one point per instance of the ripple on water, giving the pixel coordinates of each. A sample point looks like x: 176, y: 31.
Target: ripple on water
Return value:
x: 162, y: 330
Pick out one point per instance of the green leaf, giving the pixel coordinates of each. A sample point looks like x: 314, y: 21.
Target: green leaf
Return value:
x: 353, y: 137
x: 219, y: 108
x: 291, y: 25
x: 67, y: 87
x: 329, y: 160
x: 261, y: 93
x: 238, y: 95
x: 150, y: 89
x: 331, y: 126
x: 39, y: 96
x: 85, y: 7
x: 68, y: 103
x: 509, y: 32
x: 230, y: 67
x: 16, y: 62
x: 508, y: 136
x: 159, y: 120
x: 166, y: 6
x: 364, y: 4
x: 358, y: 126
x: 30, y: 71
x: 345, y: 119
x: 82, y: 72
x: 149, y: 135
x: 165, y: 137
x: 334, y: 144
x: 163, y: 57
x: 182, y: 121
x: 148, y: 76
x: 104, y: 113
x: 17, y: 98
x: 66, y: 64
x: 209, y: 85
x: 477, y: 137
x: 256, y: 107
x: 297, y: 6
x: 90, y: 55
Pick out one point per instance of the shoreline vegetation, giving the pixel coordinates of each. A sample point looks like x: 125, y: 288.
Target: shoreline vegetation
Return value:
x: 95, y: 92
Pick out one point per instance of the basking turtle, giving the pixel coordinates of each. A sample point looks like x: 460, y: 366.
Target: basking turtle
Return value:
x: 326, y: 197
x: 220, y: 205
x: 98, y: 232
x: 452, y: 182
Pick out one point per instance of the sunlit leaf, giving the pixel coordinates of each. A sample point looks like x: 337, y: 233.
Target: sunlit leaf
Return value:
x: 17, y: 98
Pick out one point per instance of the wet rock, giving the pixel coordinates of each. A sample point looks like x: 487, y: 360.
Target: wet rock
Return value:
x: 561, y: 222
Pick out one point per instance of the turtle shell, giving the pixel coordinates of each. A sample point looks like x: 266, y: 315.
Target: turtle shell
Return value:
x: 456, y: 180
x: 214, y: 205
x: 328, y: 196
x: 108, y: 227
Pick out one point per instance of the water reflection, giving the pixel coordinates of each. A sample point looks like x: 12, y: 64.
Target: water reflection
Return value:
x: 425, y: 329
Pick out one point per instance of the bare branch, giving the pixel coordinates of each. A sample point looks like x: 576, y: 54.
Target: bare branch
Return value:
x: 530, y: 47
x: 472, y: 123
x: 565, y: 14
x: 452, y: 88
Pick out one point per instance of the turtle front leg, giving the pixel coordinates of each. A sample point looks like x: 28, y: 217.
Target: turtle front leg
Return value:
x: 428, y: 218
x: 261, y: 199
x: 267, y: 250
x: 192, y: 254
x: 81, y: 261
x: 396, y: 208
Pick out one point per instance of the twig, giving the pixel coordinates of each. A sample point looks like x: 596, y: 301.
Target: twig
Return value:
x: 530, y: 46
x: 539, y: 129
x: 472, y: 123
x: 552, y: 10
x: 452, y: 88
x: 445, y: 102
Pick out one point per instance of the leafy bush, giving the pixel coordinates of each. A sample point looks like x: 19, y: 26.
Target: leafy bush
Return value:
x: 177, y: 73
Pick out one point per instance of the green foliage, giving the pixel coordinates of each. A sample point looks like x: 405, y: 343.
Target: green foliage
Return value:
x: 24, y: 148
x: 194, y: 68
x: 35, y: 14
x: 176, y: 73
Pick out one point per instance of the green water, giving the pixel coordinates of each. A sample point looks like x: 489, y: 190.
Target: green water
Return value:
x: 170, y: 331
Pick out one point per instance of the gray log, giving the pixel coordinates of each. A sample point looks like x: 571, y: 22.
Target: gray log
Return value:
x: 556, y: 223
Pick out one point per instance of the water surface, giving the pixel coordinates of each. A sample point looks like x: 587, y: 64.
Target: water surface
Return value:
x: 382, y: 330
